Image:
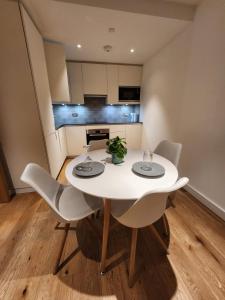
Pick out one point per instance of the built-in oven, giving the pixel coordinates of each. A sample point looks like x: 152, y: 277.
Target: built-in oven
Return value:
x: 97, y: 134
x: 129, y: 93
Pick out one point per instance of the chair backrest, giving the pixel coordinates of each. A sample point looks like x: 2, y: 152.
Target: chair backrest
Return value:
x: 169, y: 150
x: 150, y: 207
x: 36, y: 177
x: 96, y: 145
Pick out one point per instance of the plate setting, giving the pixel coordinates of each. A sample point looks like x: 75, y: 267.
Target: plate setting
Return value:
x: 88, y: 169
x: 148, y: 169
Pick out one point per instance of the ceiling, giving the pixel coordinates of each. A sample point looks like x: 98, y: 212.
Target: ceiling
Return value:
x: 189, y: 2
x: 72, y: 24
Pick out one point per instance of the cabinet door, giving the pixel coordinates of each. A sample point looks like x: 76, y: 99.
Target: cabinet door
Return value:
x: 130, y: 75
x: 62, y: 143
x: 113, y: 84
x: 117, y: 130
x: 95, y: 79
x: 57, y: 72
x: 54, y: 156
x: 40, y: 75
x: 76, y: 139
x: 133, y: 136
x: 75, y: 77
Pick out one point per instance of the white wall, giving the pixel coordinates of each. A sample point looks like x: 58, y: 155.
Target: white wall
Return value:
x: 163, y: 89
x: 184, y: 99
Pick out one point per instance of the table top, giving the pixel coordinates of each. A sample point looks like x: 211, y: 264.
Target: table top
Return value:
x: 119, y: 181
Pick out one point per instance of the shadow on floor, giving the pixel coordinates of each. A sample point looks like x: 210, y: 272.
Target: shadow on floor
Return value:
x: 154, y: 278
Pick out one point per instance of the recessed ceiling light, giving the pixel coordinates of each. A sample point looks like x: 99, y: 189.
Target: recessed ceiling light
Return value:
x: 79, y: 46
x: 132, y: 50
x: 112, y: 29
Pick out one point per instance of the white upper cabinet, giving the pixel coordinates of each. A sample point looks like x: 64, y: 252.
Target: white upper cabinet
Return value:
x: 57, y: 72
x: 94, y: 79
x: 100, y: 79
x: 130, y: 75
x: 75, y: 77
x: 113, y: 83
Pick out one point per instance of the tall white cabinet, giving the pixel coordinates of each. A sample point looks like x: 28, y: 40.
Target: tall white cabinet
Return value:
x: 57, y: 72
x: 35, y: 44
x: 75, y: 76
x: 20, y: 126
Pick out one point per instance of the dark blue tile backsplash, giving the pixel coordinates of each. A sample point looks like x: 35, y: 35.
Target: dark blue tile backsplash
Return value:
x: 85, y: 114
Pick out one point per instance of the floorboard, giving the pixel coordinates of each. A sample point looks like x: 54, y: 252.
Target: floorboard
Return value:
x: 29, y: 245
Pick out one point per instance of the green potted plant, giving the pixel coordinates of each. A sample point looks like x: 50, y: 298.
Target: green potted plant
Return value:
x: 117, y: 148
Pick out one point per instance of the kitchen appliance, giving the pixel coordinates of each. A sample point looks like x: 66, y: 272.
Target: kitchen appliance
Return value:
x: 95, y: 100
x: 129, y: 93
x: 133, y: 117
x: 97, y: 134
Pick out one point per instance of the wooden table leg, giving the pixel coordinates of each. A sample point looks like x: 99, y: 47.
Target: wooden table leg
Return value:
x: 107, y: 210
x: 132, y: 256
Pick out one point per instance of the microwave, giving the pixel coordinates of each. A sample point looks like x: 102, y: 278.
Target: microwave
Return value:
x: 129, y: 93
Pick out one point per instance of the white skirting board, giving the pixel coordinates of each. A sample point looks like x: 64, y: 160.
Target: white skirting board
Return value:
x: 24, y: 190
x: 219, y: 211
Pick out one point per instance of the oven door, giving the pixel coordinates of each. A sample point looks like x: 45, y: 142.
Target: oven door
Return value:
x: 95, y: 136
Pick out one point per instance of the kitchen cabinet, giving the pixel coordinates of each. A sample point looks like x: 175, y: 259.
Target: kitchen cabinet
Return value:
x: 130, y: 75
x: 94, y: 79
x: 54, y: 140
x: 21, y: 129
x: 133, y: 136
x: 76, y: 136
x: 75, y: 77
x: 54, y: 155
x: 62, y: 144
x: 101, y: 79
x: 113, y: 84
x: 40, y: 74
x: 57, y: 72
x: 117, y: 130
x: 76, y: 139
x: 57, y: 150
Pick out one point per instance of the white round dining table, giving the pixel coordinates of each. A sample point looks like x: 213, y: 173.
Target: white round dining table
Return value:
x: 118, y: 182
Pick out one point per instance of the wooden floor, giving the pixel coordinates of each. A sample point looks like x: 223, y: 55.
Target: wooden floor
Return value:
x: 29, y: 245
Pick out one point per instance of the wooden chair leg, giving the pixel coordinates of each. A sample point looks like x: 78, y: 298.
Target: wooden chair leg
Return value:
x: 171, y: 198
x: 158, y: 237
x: 107, y: 210
x: 165, y: 225
x: 132, y: 256
x: 57, y: 267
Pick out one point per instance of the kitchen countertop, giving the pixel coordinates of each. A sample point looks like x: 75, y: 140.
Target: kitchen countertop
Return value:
x: 90, y: 124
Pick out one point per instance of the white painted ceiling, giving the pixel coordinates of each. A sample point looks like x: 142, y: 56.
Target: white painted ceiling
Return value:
x: 71, y: 24
x: 189, y: 2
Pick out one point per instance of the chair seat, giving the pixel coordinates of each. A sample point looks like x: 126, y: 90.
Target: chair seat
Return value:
x: 74, y: 205
x: 119, y: 207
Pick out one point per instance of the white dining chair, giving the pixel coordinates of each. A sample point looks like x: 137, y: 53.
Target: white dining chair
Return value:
x: 172, y: 152
x: 96, y: 145
x: 141, y: 213
x: 169, y: 150
x: 67, y: 203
